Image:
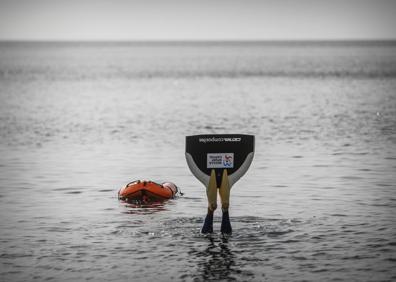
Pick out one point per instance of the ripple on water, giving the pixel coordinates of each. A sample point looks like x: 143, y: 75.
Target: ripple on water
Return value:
x: 74, y: 192
x: 214, y: 256
x: 105, y: 190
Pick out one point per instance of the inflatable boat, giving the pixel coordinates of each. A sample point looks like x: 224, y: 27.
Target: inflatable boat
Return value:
x: 147, y: 191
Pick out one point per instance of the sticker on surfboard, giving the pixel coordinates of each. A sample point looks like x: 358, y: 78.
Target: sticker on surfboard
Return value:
x: 220, y: 160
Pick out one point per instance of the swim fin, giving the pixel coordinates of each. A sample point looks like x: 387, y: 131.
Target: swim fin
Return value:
x: 226, y: 224
x: 208, y: 224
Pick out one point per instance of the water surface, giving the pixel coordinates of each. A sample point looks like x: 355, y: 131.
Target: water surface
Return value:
x: 78, y: 121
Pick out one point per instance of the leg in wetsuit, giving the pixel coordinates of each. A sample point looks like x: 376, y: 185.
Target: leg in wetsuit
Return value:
x: 224, y: 192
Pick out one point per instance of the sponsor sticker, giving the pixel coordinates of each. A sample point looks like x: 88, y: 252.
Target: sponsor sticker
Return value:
x: 220, y: 160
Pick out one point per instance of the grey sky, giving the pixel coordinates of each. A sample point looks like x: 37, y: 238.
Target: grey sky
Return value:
x: 197, y: 20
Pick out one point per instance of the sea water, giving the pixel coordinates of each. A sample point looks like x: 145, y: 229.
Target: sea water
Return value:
x: 80, y: 120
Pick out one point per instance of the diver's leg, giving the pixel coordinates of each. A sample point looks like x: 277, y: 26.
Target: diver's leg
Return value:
x: 211, y: 193
x: 224, y: 192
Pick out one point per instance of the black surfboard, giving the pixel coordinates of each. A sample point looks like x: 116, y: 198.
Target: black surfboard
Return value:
x: 230, y: 152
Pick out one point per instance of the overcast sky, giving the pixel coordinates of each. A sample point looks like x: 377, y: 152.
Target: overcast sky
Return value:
x: 196, y: 20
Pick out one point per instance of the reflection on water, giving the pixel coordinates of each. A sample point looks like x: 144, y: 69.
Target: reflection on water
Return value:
x: 77, y: 121
x: 217, y: 261
x: 144, y: 208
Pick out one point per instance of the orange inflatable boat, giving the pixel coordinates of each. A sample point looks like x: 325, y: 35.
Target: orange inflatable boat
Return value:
x: 147, y: 191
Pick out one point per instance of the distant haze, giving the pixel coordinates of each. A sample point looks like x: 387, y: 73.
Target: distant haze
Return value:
x: 197, y: 20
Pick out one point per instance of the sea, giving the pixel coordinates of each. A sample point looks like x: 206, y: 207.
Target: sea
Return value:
x: 79, y: 120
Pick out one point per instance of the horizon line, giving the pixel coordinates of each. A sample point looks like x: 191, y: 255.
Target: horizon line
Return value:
x: 357, y: 40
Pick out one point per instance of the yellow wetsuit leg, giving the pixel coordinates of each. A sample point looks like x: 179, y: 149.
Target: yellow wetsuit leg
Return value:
x: 211, y: 191
x: 224, y: 191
